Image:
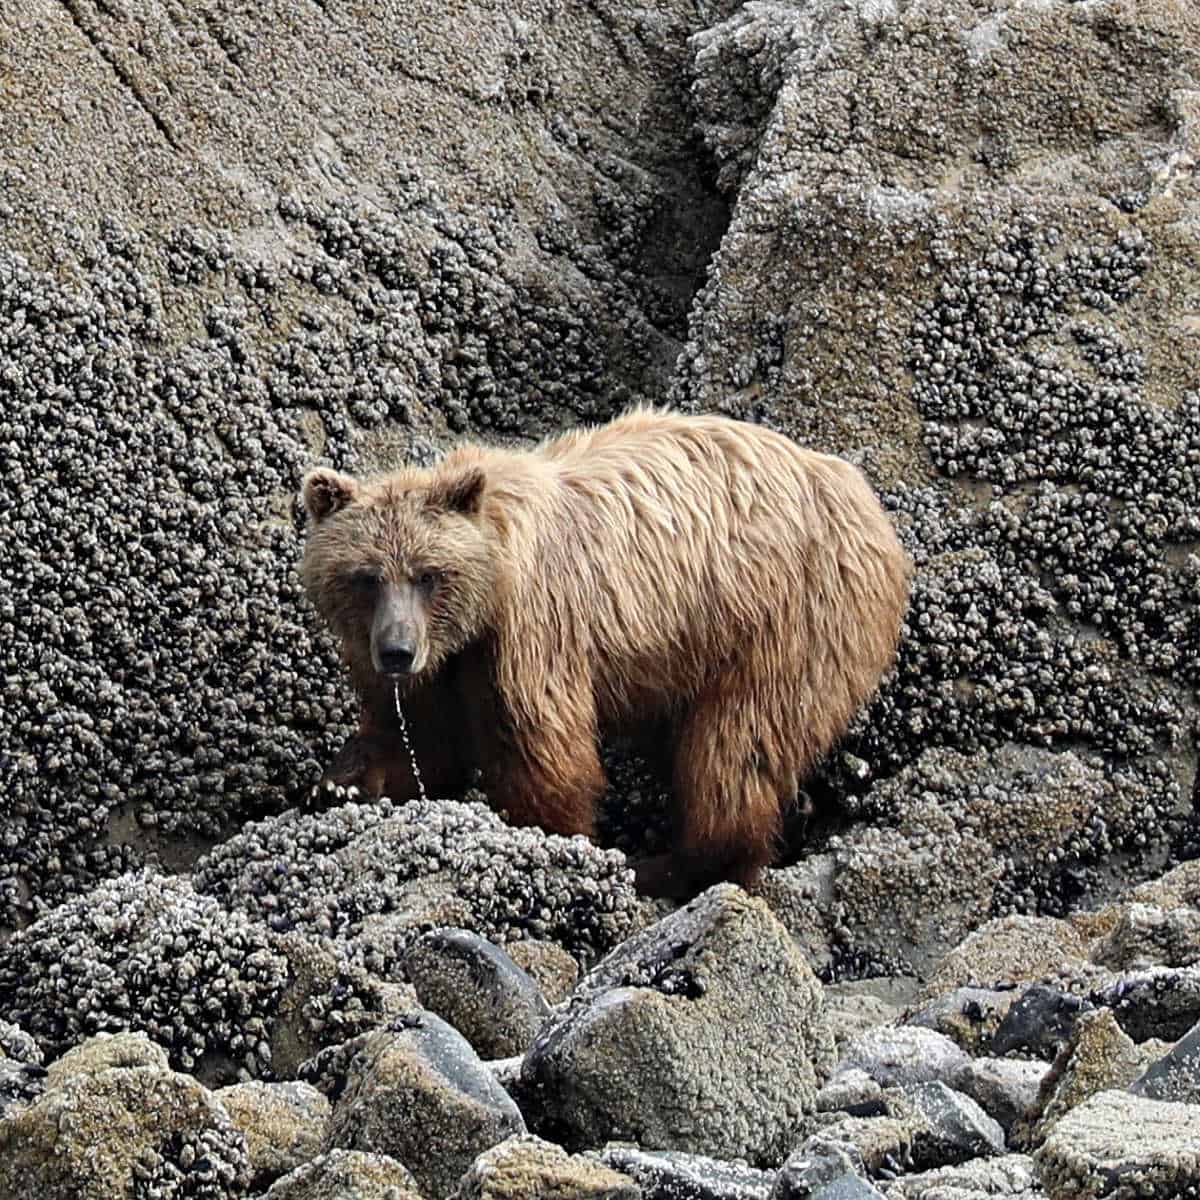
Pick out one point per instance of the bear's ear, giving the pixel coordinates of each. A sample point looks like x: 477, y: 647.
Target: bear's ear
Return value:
x: 326, y: 492
x: 460, y: 492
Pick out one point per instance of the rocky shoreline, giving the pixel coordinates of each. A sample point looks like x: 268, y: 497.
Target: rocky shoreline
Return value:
x: 392, y: 1054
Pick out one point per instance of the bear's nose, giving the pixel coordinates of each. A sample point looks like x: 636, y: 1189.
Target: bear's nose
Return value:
x: 396, y: 658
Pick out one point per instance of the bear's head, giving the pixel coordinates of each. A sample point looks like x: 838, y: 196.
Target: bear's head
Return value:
x: 402, y: 567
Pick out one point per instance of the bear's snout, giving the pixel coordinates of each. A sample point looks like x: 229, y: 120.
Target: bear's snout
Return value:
x: 396, y: 658
x: 395, y: 631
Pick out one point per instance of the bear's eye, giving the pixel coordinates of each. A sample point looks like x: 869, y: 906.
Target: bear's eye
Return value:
x: 427, y: 579
x: 366, y: 579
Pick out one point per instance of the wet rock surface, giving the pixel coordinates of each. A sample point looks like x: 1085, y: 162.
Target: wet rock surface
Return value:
x: 957, y: 242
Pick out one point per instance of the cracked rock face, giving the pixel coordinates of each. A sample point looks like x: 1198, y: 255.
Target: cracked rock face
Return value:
x: 224, y: 256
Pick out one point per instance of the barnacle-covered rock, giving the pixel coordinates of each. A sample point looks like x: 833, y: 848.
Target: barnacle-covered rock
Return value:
x: 284, y: 1125
x: 236, y: 255
x: 375, y: 876
x: 702, y: 1033
x: 417, y: 1091
x: 146, y: 952
x: 343, y: 1173
x: 123, y: 1131
x: 986, y: 261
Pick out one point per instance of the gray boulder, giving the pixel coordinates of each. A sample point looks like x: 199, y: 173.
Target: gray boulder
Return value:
x: 702, y: 1033
x: 1005, y: 1088
x: 476, y: 987
x: 284, y: 1125
x: 123, y: 1131
x: 347, y: 1175
x: 525, y: 1167
x: 1119, y: 1145
x: 418, y: 1093
x: 672, y: 1175
x: 1176, y: 1075
x: 954, y: 1129
x: 901, y: 1055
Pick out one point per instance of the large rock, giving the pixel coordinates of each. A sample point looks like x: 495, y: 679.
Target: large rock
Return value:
x: 1119, y: 1145
x: 418, y: 1093
x: 986, y: 259
x: 702, y: 1033
x: 122, y: 1131
x: 238, y: 238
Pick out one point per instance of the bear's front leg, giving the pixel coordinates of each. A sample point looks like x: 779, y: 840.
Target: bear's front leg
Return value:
x: 362, y: 763
x: 379, y: 761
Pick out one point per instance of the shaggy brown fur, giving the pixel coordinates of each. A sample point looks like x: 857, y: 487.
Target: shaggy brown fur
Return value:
x: 699, y: 574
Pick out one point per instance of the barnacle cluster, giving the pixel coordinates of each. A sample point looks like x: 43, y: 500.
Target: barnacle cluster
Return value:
x: 162, y: 676
x: 1059, y: 610
x: 327, y: 874
x: 144, y: 951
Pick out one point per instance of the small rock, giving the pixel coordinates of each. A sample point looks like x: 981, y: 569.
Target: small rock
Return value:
x: 969, y: 1016
x: 1096, y: 1058
x: 851, y: 1091
x: 476, y: 987
x: 1146, y: 935
x: 899, y: 1055
x: 955, y: 1127
x: 1008, y: 949
x: 1040, y: 1022
x: 1163, y: 1002
x: 1175, y: 1076
x: 284, y: 1125
x: 123, y: 1131
x: 1005, y: 1088
x: 820, y: 1162
x: 527, y: 1168
x: 869, y: 1144
x: 1115, y: 1144
x: 669, y: 1175
x: 416, y: 1091
x: 848, y: 1187
x: 347, y: 1175
x: 102, y: 1052
x: 554, y: 971
x: 1010, y: 1176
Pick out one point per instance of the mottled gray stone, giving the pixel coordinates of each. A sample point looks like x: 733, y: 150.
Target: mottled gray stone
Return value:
x: 702, y: 1033
x: 1005, y: 1088
x: 1118, y: 1145
x: 347, y: 1175
x: 284, y: 1125
x: 473, y: 985
x: 955, y: 1129
x: 898, y: 1055
x: 417, y: 1092
x: 671, y: 1175
x: 525, y: 1167
x: 1176, y: 1075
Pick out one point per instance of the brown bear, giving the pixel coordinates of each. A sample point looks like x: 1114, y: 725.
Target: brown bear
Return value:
x: 695, y: 576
